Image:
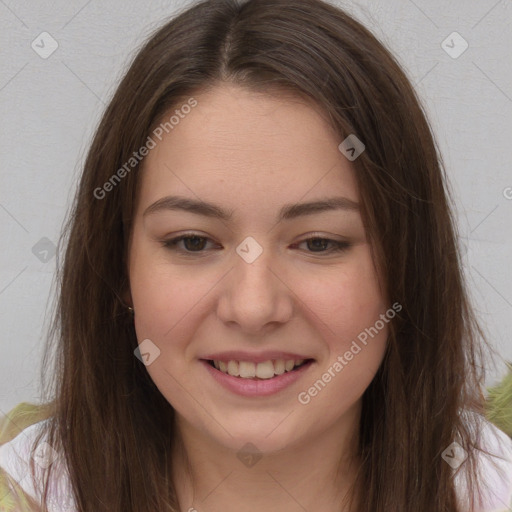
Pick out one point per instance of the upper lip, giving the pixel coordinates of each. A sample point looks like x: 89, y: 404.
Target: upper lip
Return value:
x: 254, y: 357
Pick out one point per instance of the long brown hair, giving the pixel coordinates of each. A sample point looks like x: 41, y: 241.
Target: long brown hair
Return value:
x: 113, y: 425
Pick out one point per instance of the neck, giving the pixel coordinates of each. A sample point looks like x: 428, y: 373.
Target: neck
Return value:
x: 314, y: 473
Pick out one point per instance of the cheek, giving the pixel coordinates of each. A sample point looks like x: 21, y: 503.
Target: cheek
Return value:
x: 349, y: 308
x: 345, y: 300
x: 165, y: 303
x: 163, y: 294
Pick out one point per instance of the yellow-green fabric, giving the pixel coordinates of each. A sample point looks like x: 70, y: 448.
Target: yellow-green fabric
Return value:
x: 499, y: 403
x: 12, y: 497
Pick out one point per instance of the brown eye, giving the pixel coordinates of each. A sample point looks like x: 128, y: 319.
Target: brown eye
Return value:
x: 194, y: 243
x: 320, y: 245
x: 317, y: 244
x: 191, y: 243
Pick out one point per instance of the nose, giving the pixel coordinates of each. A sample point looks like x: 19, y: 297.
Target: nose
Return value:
x: 255, y: 295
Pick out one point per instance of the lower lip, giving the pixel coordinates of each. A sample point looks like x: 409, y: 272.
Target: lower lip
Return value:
x: 250, y: 387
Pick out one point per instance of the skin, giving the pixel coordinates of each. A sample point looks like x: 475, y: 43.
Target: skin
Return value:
x: 252, y: 153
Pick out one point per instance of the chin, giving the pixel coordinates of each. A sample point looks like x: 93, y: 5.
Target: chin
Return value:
x: 267, y: 437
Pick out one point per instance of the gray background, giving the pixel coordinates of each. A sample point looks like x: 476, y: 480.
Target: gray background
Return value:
x: 50, y: 108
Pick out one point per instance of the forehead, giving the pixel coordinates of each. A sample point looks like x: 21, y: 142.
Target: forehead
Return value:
x: 240, y: 147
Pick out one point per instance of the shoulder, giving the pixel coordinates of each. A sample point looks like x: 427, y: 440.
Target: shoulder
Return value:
x: 20, y: 430
x: 494, y: 466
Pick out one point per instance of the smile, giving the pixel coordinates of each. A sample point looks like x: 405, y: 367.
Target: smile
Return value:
x: 256, y: 379
x: 264, y: 370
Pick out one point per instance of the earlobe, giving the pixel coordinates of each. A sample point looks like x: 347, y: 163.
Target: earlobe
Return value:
x: 127, y: 299
x: 127, y: 302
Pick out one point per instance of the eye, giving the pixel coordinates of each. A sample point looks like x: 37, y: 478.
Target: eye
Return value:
x: 319, y: 244
x: 193, y: 243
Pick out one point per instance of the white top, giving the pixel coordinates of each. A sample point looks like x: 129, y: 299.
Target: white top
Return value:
x: 496, y: 471
x: 15, y: 461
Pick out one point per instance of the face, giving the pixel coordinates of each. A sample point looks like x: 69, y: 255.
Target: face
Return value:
x: 257, y: 282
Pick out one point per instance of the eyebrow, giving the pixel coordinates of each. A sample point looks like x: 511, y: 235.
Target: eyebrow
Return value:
x: 287, y: 212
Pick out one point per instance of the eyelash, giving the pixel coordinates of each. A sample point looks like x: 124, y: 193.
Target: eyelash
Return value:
x: 172, y: 243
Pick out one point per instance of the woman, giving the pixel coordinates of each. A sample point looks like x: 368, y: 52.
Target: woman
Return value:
x: 262, y: 302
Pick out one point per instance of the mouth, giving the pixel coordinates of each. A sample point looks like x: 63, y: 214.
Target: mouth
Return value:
x: 266, y: 370
x: 253, y: 379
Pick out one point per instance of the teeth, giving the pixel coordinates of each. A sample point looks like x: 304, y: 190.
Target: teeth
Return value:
x: 233, y: 368
x: 247, y: 369
x: 265, y: 370
x: 279, y: 367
